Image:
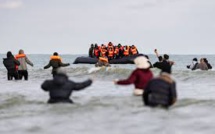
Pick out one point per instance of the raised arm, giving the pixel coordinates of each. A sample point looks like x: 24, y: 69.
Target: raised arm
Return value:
x: 156, y: 52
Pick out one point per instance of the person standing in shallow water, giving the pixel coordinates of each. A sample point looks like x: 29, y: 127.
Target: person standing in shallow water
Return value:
x: 22, y: 68
x: 139, y: 77
x: 60, y: 88
x: 160, y: 91
x: 10, y: 63
x: 55, y: 62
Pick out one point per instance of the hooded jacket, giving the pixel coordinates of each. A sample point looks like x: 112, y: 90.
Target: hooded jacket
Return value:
x: 160, y: 91
x: 10, y: 63
x: 61, y: 88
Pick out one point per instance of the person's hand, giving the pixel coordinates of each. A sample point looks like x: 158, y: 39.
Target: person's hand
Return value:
x: 115, y: 81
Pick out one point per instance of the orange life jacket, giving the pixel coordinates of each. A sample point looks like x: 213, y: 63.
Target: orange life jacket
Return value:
x: 20, y: 56
x: 103, y: 52
x: 116, y: 51
x: 110, y: 53
x: 126, y: 52
x: 54, y: 57
x: 17, y: 57
x: 103, y: 59
x: 134, y: 51
x: 96, y: 52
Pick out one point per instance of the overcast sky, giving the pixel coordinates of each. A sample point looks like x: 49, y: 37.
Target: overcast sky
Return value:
x: 70, y: 26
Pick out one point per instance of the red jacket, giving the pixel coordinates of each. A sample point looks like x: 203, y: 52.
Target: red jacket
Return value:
x: 140, y: 78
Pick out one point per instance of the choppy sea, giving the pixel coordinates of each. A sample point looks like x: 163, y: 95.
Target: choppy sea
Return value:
x: 105, y: 108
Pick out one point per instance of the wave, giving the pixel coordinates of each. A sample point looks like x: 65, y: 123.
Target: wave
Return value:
x: 108, y: 73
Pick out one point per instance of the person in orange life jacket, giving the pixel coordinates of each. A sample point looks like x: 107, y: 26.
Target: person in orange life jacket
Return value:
x: 103, y: 52
x: 90, y: 54
x: 110, y: 45
x: 10, y: 63
x: 139, y: 77
x: 55, y: 62
x: 103, y: 47
x: 61, y: 88
x: 126, y: 51
x: 103, y: 61
x: 22, y: 68
x: 110, y: 53
x: 116, y: 52
x: 133, y: 50
x: 96, y: 51
x: 121, y: 49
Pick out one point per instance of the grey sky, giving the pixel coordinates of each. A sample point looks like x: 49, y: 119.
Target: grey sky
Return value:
x: 70, y: 26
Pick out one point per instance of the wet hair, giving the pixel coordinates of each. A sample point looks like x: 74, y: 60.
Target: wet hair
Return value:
x: 55, y: 54
x: 160, y: 58
x: 195, y: 59
x: 205, y: 60
x: 166, y: 56
x: 9, y: 54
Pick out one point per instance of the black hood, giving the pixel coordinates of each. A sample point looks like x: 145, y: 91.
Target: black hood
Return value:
x: 60, y: 79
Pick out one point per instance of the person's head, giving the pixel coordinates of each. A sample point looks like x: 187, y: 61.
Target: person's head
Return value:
x: 195, y: 59
x: 55, y: 54
x: 92, y: 45
x: 119, y: 45
x: 9, y: 54
x: 160, y: 58
x: 205, y: 60
x: 202, y: 60
x: 142, y: 62
x: 166, y: 57
x: 21, y: 51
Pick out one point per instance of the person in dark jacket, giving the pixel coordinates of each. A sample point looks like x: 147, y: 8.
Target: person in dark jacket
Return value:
x: 160, y: 91
x: 165, y: 65
x: 10, y: 63
x: 208, y: 64
x: 60, y: 88
x: 91, y: 49
x: 55, y: 63
x: 139, y: 77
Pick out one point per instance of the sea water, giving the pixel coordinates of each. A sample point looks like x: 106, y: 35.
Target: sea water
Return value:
x: 105, y: 108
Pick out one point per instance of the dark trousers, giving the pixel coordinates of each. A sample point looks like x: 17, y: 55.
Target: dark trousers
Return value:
x: 11, y: 75
x: 23, y: 73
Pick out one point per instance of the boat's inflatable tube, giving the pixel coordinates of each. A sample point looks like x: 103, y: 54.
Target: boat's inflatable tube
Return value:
x: 89, y: 60
x: 85, y: 60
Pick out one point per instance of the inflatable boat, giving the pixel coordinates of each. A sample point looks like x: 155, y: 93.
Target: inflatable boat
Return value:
x: 89, y: 60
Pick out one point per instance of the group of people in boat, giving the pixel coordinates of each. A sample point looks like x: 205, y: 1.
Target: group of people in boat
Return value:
x: 105, y: 53
x: 112, y: 51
